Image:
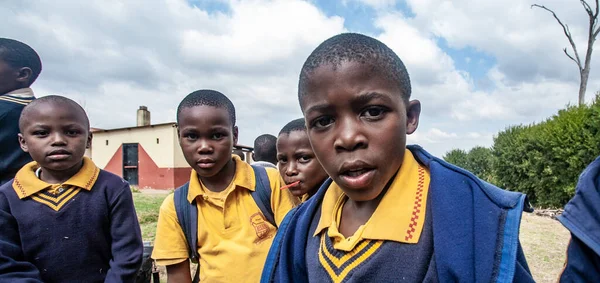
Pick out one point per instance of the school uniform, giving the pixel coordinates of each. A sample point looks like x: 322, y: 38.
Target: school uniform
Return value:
x: 582, y: 218
x: 233, y: 234
x: 83, y: 230
x: 12, y: 157
x: 435, y: 223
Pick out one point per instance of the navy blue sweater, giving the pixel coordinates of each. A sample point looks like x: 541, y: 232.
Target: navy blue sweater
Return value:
x: 475, y: 232
x: 95, y: 237
x: 12, y: 157
x: 582, y: 218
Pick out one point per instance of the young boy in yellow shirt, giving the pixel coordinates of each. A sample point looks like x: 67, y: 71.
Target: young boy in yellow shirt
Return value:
x: 297, y: 163
x: 233, y: 233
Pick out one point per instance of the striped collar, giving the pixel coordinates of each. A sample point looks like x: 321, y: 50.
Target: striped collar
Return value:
x: 399, y: 216
x: 21, y: 93
x: 26, y: 183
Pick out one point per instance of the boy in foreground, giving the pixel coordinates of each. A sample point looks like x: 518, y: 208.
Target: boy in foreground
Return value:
x: 388, y: 213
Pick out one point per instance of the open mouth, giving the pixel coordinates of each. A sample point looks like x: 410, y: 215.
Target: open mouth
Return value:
x: 357, y: 174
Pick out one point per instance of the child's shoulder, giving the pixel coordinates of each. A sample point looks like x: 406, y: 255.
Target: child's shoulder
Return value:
x: 110, y: 180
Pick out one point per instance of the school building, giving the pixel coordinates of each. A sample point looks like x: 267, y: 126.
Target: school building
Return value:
x: 147, y: 156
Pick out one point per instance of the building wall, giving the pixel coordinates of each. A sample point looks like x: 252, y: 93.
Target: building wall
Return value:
x: 161, y: 164
x: 161, y: 152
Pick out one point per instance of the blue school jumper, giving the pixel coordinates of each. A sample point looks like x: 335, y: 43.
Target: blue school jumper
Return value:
x: 12, y: 157
x: 582, y: 218
x: 94, y: 237
x: 474, y: 235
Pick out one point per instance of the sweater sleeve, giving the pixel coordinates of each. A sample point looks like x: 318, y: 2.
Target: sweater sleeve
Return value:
x: 126, y: 247
x: 13, y: 266
x: 582, y: 262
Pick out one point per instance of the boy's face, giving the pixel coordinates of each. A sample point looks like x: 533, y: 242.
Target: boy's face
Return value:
x: 357, y: 123
x: 206, y: 137
x: 55, y: 135
x: 297, y: 162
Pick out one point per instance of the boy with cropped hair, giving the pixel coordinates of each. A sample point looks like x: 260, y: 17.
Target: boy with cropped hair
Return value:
x: 388, y: 213
x: 64, y: 219
x: 236, y: 207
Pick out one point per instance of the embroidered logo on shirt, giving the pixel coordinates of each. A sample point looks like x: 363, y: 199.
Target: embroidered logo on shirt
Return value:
x: 262, y: 229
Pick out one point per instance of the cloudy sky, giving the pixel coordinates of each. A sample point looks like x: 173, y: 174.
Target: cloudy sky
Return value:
x: 476, y: 66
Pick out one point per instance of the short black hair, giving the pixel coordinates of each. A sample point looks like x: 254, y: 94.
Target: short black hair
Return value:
x: 55, y: 100
x: 359, y: 48
x: 294, y: 125
x: 207, y: 97
x: 265, y: 148
x: 18, y: 55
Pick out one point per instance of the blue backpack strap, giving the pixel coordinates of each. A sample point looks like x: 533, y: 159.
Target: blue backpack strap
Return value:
x: 187, y: 215
x: 273, y: 255
x: 262, y: 193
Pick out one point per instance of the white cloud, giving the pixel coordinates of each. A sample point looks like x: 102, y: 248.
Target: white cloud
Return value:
x: 113, y: 56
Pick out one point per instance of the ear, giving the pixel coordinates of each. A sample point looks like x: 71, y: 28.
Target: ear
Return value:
x: 88, y: 144
x: 235, y: 135
x: 413, y: 110
x: 24, y: 75
x: 23, y: 143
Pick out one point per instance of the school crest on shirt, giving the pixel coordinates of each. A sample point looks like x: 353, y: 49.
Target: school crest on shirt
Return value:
x: 261, y: 227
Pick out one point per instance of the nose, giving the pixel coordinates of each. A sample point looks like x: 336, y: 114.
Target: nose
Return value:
x: 292, y: 169
x: 58, y: 139
x: 349, y: 135
x: 204, y: 146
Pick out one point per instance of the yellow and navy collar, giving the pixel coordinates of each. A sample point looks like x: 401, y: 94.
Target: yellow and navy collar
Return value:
x: 26, y: 183
x: 399, y: 216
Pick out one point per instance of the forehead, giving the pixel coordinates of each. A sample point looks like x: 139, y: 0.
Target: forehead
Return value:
x: 293, y: 140
x: 328, y: 82
x: 204, y: 113
x: 54, y: 112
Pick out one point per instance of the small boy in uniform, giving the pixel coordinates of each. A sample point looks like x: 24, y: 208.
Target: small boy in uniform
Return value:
x: 388, y: 213
x: 61, y: 214
x: 233, y: 235
x: 20, y: 66
x: 300, y: 169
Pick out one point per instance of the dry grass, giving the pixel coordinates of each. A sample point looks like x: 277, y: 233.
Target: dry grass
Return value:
x: 544, y: 240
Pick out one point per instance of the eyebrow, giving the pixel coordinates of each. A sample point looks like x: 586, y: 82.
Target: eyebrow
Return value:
x: 362, y: 99
x: 368, y: 97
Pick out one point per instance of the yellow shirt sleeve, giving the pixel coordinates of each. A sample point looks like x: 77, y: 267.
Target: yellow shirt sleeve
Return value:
x: 282, y: 201
x: 170, y: 246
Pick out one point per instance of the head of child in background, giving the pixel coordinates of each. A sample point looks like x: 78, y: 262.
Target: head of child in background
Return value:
x: 20, y: 65
x: 354, y: 92
x: 239, y: 153
x: 207, y: 133
x: 265, y: 149
x: 296, y: 160
x: 55, y: 131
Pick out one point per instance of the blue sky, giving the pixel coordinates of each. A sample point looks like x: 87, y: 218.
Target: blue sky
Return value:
x: 477, y: 66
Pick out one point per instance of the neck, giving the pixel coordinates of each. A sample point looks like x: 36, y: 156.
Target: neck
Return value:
x: 59, y: 176
x: 221, y: 180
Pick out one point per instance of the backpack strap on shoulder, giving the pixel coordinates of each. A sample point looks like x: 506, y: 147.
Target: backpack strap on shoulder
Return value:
x: 262, y: 193
x: 187, y: 215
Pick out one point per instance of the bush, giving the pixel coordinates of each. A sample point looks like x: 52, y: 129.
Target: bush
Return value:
x: 542, y: 160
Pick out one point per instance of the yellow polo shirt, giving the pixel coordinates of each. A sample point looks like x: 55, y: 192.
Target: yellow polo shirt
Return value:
x: 233, y: 235
x: 399, y: 216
